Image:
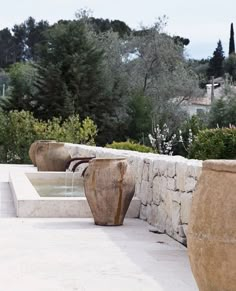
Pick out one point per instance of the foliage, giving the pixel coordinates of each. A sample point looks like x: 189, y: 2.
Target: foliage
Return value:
x: 140, y: 119
x: 73, y: 78
x: 19, y: 129
x: 104, y: 25
x: 116, y: 88
x: 181, y: 40
x: 200, y: 67
x: 131, y: 146
x: 7, y: 46
x: 219, y: 143
x: 123, y: 80
x: 4, y: 81
x: 178, y: 142
x: 68, y: 72
x: 222, y: 112
x: 231, y: 40
x: 216, y: 67
x: 187, y: 133
x: 230, y: 66
x: 27, y: 37
x: 21, y: 89
x: 16, y: 135
x: 161, y: 139
x: 158, y: 70
x: 101, y: 25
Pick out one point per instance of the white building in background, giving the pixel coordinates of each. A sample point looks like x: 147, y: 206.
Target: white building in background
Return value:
x: 203, y: 104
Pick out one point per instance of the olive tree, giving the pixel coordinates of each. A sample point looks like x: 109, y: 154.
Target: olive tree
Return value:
x: 157, y: 66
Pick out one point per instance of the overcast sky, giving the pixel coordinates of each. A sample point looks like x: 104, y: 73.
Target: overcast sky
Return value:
x: 204, y: 22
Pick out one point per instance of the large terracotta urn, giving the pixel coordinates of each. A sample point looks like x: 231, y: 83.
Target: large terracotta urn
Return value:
x: 109, y: 188
x: 33, y: 147
x: 212, y: 227
x: 51, y: 156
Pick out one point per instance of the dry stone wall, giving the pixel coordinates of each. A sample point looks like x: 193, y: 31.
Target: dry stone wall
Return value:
x: 164, y: 184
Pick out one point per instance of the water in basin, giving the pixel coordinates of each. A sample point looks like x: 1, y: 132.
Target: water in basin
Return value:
x: 57, y: 184
x: 51, y: 190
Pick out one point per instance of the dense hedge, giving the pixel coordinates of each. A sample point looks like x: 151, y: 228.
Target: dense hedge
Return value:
x: 131, y: 146
x: 219, y: 143
x: 19, y: 129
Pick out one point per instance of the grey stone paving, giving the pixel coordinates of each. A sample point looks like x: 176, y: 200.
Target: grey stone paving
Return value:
x: 76, y: 255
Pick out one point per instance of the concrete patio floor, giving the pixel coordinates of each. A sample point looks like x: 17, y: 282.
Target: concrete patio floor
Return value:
x: 75, y: 255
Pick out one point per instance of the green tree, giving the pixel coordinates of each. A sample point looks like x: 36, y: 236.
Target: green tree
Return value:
x: 19, y: 37
x: 104, y: 25
x: 222, y: 112
x: 181, y: 40
x: 231, y: 40
x: 157, y: 68
x: 34, y: 37
x: 230, y: 66
x: 73, y: 78
x: 140, y: 118
x: 4, y: 82
x: 116, y: 87
x: 69, y: 72
x: 200, y: 67
x: 21, y: 88
x: 7, y: 48
x: 216, y: 67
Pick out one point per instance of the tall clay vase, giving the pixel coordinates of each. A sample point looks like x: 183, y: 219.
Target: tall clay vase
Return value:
x: 33, y: 147
x: 51, y: 156
x: 109, y: 189
x: 212, y: 227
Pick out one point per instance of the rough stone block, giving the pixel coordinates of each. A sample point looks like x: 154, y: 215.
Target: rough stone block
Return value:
x: 158, y: 217
x: 171, y: 183
x: 175, y: 216
x: 156, y: 190
x: 190, y: 184
x: 144, y: 189
x: 171, y: 169
x: 139, y: 170
x: 149, y: 212
x: 162, y: 167
x: 163, y: 187
x: 137, y: 189
x: 143, y: 212
x: 181, y: 175
x: 150, y: 177
x: 145, y: 175
x: 154, y: 169
x: 176, y: 196
x: 186, y: 203
x: 167, y: 199
x: 194, y: 168
x: 150, y: 195
x: 169, y: 227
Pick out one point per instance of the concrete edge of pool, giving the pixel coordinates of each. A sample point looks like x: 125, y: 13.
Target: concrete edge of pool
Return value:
x: 28, y: 203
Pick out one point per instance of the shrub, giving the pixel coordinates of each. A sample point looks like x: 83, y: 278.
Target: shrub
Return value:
x: 219, y: 143
x: 131, y: 146
x: 16, y: 135
x: 19, y: 129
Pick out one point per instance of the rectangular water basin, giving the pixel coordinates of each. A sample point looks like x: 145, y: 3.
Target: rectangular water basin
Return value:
x: 51, y: 194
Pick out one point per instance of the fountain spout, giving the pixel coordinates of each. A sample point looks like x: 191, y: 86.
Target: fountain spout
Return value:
x: 79, y: 163
x: 77, y: 159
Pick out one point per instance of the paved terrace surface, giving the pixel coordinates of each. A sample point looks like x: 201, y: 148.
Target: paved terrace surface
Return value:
x: 76, y: 255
